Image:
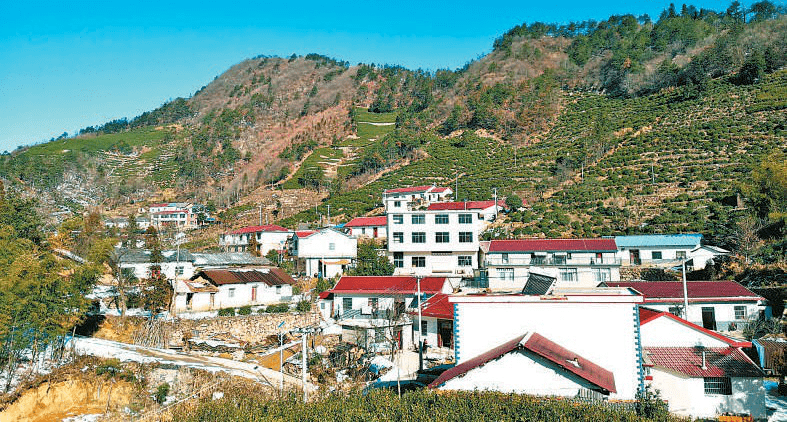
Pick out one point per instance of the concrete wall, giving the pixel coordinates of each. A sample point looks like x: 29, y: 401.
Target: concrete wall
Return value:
x: 686, y: 396
x: 241, y: 296
x: 666, y: 332
x: 168, y: 269
x: 724, y: 311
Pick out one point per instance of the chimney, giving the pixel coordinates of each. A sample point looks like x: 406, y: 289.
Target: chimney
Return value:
x: 704, y: 367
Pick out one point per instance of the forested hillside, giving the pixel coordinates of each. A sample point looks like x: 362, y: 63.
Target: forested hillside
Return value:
x: 631, y: 124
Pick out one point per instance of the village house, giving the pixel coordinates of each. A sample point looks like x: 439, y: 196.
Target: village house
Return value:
x: 210, y: 290
x: 437, y: 323
x: 714, y: 305
x: 122, y: 222
x: 699, y: 373
x: 506, y: 264
x: 326, y: 252
x: 704, y: 255
x: 400, y: 199
x: 180, y: 264
x: 574, y: 342
x: 368, y: 227
x: 377, y: 309
x: 181, y: 215
x: 440, y: 240
x: 268, y: 237
x: 662, y: 250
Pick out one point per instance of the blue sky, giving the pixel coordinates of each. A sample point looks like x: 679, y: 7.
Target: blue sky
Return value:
x: 65, y: 65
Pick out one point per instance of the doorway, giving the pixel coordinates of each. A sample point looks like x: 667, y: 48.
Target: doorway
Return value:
x: 634, y: 254
x: 709, y: 318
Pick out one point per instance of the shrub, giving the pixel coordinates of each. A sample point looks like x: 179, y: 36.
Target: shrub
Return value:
x: 304, y: 306
x: 246, y: 310
x: 161, y: 393
x: 227, y: 312
x: 277, y: 308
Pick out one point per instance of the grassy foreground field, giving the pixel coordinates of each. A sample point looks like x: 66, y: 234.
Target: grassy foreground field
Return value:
x: 424, y: 406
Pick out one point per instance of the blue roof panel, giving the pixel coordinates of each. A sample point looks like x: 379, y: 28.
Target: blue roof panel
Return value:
x: 658, y: 240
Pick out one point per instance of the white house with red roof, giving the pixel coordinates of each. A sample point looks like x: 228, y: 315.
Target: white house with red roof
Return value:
x: 325, y: 252
x: 398, y: 199
x: 368, y: 227
x: 441, y: 239
x: 506, y: 264
x: 530, y: 364
x: 716, y: 305
x: 437, y: 321
x: 699, y: 373
x: 594, y: 332
x: 378, y: 306
x: 269, y: 237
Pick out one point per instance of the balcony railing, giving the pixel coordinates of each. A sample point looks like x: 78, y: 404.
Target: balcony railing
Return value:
x: 548, y: 261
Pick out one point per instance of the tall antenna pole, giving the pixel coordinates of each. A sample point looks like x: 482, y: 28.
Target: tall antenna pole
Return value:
x: 685, y: 294
x: 495, y: 189
x: 420, y: 328
x: 303, y: 365
x: 260, y: 223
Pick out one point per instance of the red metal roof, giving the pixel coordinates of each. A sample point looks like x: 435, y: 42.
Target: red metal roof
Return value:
x: 263, y: 228
x: 325, y: 295
x: 719, y: 361
x: 647, y: 315
x: 411, y: 189
x: 554, y: 245
x: 439, y: 189
x: 367, y: 221
x: 543, y: 347
x: 438, y: 306
x: 305, y: 233
x: 698, y: 291
x: 272, y: 277
x: 469, y: 205
x: 171, y: 212
x: 388, y: 285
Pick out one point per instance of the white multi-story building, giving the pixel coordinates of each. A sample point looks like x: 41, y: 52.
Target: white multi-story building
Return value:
x: 269, y: 237
x: 326, y: 252
x: 573, y: 262
x: 436, y: 241
x: 402, y: 198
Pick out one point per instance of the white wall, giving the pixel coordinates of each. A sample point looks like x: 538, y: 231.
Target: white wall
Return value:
x: 725, y: 312
x: 318, y: 245
x: 666, y: 332
x: 586, y: 276
x: 168, y: 269
x: 518, y: 372
x: 357, y: 232
x: 701, y: 256
x: 604, y: 333
x: 686, y: 396
x: 668, y: 254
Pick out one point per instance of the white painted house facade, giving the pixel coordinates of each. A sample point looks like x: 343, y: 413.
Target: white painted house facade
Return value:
x: 211, y: 290
x: 440, y: 241
x: 660, y: 250
x: 368, y: 227
x: 326, y: 252
x: 600, y: 325
x: 269, y: 237
x: 573, y: 262
x: 399, y: 199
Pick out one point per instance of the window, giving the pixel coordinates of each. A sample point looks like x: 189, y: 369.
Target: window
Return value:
x: 656, y: 255
x: 418, y: 219
x: 331, y: 246
x: 599, y: 258
x: 559, y: 259
x: 568, y: 274
x: 465, y: 237
x: 441, y: 219
x: 465, y: 261
x: 424, y: 327
x: 398, y: 219
x: 676, y: 310
x: 347, y: 303
x: 537, y: 259
x: 718, y: 385
x: 602, y: 274
x: 680, y: 254
x: 398, y: 259
x: 379, y: 335
x: 465, y: 218
x: 278, y: 290
x: 418, y: 261
x: 504, y: 258
x: 441, y: 237
x: 398, y: 237
x: 372, y: 302
x: 397, y: 204
x: 419, y: 237
x: 363, y: 230
x: 740, y: 312
x: 505, y: 274
x: 231, y: 292
x: 179, y: 270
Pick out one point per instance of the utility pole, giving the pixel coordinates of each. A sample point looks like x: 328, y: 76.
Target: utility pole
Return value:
x: 495, y: 189
x: 420, y: 328
x: 260, y: 223
x: 685, y: 294
x: 329, y: 214
x: 303, y: 366
x: 281, y: 358
x: 456, y: 191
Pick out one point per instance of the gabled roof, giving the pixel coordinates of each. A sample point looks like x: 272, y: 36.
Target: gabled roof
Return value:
x: 656, y: 240
x: 688, y: 361
x: 228, y: 259
x: 461, y: 206
x: 258, y: 229
x: 367, y: 221
x: 438, y: 306
x: 698, y: 291
x: 544, y: 348
x: 439, y: 189
x: 301, y: 234
x: 714, y: 249
x: 387, y: 285
x: 304, y: 233
x: 553, y: 245
x: 647, y: 315
x: 142, y: 256
x: 411, y: 189
x: 270, y: 276
x: 326, y: 295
